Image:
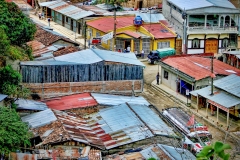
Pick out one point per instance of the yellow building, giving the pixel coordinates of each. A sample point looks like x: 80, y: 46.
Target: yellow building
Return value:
x: 147, y: 37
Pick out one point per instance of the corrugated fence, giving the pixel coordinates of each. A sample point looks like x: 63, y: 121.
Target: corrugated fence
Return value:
x: 80, y: 72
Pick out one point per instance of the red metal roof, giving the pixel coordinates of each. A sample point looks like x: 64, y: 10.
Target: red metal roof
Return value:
x: 130, y: 33
x: 72, y: 101
x: 106, y: 24
x: 159, y: 31
x: 199, y: 67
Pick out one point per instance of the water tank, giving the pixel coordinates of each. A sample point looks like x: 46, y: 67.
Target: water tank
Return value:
x: 137, y: 21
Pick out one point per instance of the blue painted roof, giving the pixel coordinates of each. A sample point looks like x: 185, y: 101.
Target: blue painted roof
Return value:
x: 230, y: 84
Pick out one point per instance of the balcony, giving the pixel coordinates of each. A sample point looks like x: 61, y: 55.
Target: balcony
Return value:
x: 212, y: 30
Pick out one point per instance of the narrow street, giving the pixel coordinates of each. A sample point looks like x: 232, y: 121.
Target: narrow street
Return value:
x: 162, y: 101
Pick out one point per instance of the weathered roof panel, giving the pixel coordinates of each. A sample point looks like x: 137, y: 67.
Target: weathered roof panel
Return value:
x: 177, y: 153
x: 39, y: 119
x: 154, y: 122
x: 230, y: 84
x: 71, y: 101
x: 112, y: 100
x: 57, y: 4
x: 44, y: 4
x: 189, y: 4
x: 27, y: 104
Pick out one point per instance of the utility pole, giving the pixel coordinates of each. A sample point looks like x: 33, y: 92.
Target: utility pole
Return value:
x: 184, y: 17
x: 114, y: 29
x: 85, y: 35
x: 212, y: 75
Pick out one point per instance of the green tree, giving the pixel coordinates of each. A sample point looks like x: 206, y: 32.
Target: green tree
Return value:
x: 4, y: 42
x: 16, y: 25
x: 216, y: 150
x: 10, y: 83
x: 13, y: 132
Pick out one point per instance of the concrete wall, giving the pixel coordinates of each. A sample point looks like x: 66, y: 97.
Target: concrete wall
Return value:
x: 47, y: 90
x: 171, y: 81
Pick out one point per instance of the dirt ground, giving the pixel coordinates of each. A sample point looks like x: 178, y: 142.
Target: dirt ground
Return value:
x: 161, y: 101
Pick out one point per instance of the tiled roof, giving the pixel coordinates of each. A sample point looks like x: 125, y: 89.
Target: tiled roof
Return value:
x: 199, y: 67
x: 72, y: 101
x: 159, y: 31
x: 48, y: 37
x: 106, y: 24
x: 22, y: 4
x: 66, y: 50
x: 36, y: 45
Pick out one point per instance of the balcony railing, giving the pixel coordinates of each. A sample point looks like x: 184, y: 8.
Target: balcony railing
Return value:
x: 212, y: 29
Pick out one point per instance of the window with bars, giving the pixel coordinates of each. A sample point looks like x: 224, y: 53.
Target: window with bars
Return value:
x: 146, y: 45
x: 111, y: 44
x: 195, y: 43
x: 90, y: 32
x: 165, y: 44
x: 98, y: 34
x: 225, y: 43
x: 119, y: 44
x: 137, y: 45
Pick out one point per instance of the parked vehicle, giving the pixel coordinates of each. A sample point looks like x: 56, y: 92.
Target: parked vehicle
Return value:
x: 196, y: 135
x: 156, y: 55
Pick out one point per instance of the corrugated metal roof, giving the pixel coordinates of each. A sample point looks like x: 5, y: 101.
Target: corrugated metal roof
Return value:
x: 2, y: 97
x: 83, y: 57
x: 71, y: 101
x: 30, y: 105
x: 219, y: 97
x: 230, y: 84
x: 153, y: 121
x: 45, y: 63
x: 112, y: 100
x: 153, y: 18
x: 39, y: 119
x: 222, y: 3
x: 44, y: 4
x: 199, y: 67
x: 177, y: 153
x: 120, y: 120
x: 90, y: 56
x: 189, y: 4
x: 128, y: 58
x: 55, y: 5
x: 172, y: 152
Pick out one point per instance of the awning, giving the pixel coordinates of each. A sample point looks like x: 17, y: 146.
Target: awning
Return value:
x: 212, y: 36
x: 218, y: 105
x: 198, y: 36
x: 222, y: 36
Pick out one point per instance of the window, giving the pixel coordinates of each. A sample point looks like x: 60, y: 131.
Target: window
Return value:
x: 195, y: 43
x: 146, y: 45
x: 98, y: 34
x: 163, y: 44
x: 90, y: 32
x: 137, y: 45
x: 225, y: 43
x: 165, y: 74
x: 67, y: 19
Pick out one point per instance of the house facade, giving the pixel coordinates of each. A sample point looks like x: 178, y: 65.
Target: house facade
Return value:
x: 147, y: 37
x: 225, y: 97
x: 65, y: 14
x: 91, y: 70
x: 206, y: 27
x: 186, y: 73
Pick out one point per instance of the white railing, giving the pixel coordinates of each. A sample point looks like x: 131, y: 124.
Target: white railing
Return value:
x: 214, y: 29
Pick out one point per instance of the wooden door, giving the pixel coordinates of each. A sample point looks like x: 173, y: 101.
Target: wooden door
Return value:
x: 211, y: 46
x: 178, y: 46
